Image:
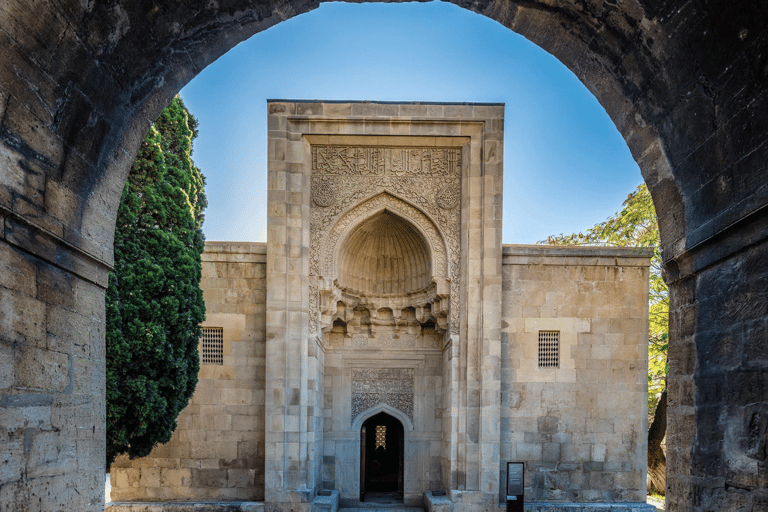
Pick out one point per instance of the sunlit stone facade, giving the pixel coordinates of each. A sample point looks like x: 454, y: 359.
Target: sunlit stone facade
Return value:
x: 383, y: 339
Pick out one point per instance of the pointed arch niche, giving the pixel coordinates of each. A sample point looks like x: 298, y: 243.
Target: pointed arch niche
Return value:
x: 384, y: 255
x: 385, y: 264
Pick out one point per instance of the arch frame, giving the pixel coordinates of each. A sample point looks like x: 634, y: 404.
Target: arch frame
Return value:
x: 364, y: 416
x: 386, y: 201
x: 384, y: 129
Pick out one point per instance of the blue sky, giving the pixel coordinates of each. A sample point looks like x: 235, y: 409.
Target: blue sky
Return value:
x: 566, y: 167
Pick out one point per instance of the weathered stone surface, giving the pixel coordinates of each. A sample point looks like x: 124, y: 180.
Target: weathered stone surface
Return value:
x: 579, y: 427
x: 684, y: 83
x: 217, y: 450
x: 206, y: 506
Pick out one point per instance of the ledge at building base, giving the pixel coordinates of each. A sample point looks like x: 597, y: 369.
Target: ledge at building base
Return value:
x: 185, y: 506
x: 444, y: 504
x: 543, y: 506
x: 330, y: 503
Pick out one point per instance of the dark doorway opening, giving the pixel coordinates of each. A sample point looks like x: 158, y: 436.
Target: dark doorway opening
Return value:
x: 381, y: 459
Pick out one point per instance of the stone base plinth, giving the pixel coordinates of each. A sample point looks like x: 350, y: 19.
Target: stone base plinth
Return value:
x: 542, y: 506
x: 444, y: 504
x: 437, y: 503
x: 185, y: 506
x: 329, y: 503
x: 323, y: 504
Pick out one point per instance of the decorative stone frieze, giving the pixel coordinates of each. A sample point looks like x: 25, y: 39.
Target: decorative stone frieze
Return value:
x: 383, y: 161
x: 352, y: 183
x: 390, y: 386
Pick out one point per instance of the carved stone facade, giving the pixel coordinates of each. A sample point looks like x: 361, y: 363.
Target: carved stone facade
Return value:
x: 419, y: 184
x: 374, y: 386
x: 384, y: 292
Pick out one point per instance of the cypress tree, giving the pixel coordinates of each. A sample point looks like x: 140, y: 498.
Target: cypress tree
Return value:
x: 154, y: 303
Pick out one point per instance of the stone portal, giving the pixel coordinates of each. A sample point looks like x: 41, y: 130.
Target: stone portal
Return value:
x: 389, y: 207
x: 384, y: 298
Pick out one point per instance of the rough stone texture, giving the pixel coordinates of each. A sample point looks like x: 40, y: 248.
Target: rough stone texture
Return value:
x: 533, y: 506
x: 719, y: 365
x: 217, y: 450
x: 52, y: 415
x: 328, y: 503
x: 437, y: 503
x: 580, y: 428
x: 684, y: 82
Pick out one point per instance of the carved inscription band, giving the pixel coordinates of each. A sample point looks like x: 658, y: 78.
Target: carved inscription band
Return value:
x: 351, y: 160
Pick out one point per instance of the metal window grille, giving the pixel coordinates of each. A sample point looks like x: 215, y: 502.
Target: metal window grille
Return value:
x: 549, y: 349
x: 381, y: 436
x: 212, y: 346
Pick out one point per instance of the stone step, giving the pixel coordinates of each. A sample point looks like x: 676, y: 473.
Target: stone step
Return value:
x: 381, y: 507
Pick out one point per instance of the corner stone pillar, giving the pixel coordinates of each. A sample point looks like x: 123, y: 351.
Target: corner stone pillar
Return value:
x: 477, y: 472
x: 718, y: 381
x: 288, y: 472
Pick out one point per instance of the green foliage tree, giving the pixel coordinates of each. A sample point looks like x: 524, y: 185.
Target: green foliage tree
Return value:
x: 636, y: 226
x: 154, y: 303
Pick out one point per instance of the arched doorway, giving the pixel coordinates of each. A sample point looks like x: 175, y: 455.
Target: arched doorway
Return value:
x: 382, y: 461
x: 684, y: 84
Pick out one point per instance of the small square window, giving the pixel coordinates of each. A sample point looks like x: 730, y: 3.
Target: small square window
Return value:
x: 212, y: 346
x: 549, y: 349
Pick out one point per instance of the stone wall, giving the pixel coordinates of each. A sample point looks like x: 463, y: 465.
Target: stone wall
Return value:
x: 579, y: 427
x: 217, y: 451
x: 81, y: 81
x: 52, y: 363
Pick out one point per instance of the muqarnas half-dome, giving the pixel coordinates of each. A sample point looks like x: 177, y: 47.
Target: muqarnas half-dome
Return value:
x: 385, y: 255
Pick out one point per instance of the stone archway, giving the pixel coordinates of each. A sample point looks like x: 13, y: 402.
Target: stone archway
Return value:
x: 436, y: 247
x: 684, y: 83
x: 404, y: 429
x: 382, y: 458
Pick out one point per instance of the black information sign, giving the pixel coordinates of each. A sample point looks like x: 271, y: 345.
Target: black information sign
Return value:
x: 515, y: 482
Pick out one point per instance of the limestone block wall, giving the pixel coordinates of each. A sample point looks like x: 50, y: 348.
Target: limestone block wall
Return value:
x: 579, y: 427
x: 217, y: 451
x: 52, y: 362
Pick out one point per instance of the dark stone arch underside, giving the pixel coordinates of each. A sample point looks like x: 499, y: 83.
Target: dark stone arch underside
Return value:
x: 684, y: 82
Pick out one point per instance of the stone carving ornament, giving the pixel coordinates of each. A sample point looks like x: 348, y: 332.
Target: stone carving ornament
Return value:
x: 323, y: 194
x: 356, y: 160
x: 448, y: 197
x: 390, y: 386
x: 349, y: 183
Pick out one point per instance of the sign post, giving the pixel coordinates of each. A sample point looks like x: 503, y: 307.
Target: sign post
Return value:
x: 515, y: 486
